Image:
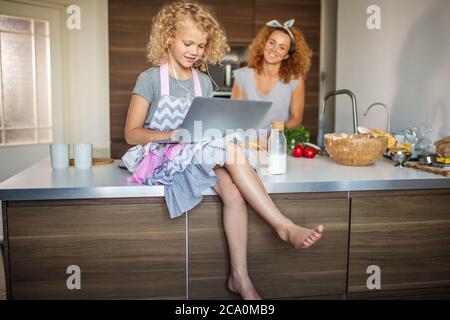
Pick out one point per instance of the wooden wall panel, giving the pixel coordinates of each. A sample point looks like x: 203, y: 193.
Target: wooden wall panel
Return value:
x: 236, y: 17
x: 129, y: 27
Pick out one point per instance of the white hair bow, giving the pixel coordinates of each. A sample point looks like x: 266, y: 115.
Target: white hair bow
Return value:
x: 285, y: 26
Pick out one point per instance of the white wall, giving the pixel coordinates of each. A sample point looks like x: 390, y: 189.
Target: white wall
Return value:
x: 85, y: 87
x: 86, y: 62
x: 406, y: 64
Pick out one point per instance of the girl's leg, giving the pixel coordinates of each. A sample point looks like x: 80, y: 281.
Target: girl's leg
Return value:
x: 251, y: 187
x: 235, y: 221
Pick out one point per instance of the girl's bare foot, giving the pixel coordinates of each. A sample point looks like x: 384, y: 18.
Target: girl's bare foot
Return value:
x: 301, y: 238
x: 243, y: 286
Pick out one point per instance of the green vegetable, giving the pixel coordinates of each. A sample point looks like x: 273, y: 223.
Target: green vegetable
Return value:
x: 296, y: 136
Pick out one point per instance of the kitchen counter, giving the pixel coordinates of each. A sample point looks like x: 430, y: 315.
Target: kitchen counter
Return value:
x: 120, y: 235
x: 321, y: 174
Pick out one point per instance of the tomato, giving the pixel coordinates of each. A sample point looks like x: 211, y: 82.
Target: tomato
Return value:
x: 309, y: 152
x: 297, y: 151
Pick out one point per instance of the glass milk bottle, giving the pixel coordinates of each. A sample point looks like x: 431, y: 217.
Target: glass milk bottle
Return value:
x: 277, y: 149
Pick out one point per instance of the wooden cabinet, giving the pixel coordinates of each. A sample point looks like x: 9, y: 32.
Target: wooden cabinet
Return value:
x: 131, y: 249
x: 125, y: 249
x: 406, y: 234
x: 278, y: 270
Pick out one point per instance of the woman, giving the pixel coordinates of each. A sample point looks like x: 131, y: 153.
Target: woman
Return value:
x: 278, y: 62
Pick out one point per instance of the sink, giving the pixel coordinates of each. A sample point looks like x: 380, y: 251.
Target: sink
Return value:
x: 357, y: 149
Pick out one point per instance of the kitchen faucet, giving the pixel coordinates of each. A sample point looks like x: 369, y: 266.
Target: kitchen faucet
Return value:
x: 387, y: 110
x: 352, y: 96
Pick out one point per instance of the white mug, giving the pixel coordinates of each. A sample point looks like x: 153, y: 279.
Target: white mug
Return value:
x: 83, y: 155
x: 59, y: 155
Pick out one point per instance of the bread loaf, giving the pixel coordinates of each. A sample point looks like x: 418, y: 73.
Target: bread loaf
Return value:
x: 443, y: 147
x: 442, y: 141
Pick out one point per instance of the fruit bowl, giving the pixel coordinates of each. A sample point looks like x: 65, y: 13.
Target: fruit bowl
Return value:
x: 360, y: 149
x: 400, y: 157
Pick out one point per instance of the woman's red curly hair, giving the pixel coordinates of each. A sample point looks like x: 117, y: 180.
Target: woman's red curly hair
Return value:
x: 298, y: 63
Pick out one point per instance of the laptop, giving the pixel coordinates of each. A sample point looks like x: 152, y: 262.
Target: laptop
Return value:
x: 213, y: 118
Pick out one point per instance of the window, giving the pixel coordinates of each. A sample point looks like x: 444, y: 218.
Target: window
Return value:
x: 25, y: 81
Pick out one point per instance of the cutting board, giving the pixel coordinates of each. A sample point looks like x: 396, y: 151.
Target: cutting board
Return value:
x: 442, y: 172
x: 95, y: 161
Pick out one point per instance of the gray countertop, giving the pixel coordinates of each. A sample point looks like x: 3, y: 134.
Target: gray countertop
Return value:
x: 321, y: 174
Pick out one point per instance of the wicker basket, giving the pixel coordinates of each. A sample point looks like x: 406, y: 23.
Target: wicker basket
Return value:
x: 355, y: 149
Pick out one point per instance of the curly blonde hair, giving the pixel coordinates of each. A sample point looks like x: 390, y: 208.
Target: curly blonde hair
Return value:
x: 298, y: 63
x: 165, y: 25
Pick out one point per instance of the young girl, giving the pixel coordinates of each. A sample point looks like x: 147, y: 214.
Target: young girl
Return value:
x: 184, y: 37
x: 278, y: 63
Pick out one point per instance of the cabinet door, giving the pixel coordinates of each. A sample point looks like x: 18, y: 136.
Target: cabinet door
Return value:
x: 278, y: 270
x: 123, y: 251
x: 406, y: 234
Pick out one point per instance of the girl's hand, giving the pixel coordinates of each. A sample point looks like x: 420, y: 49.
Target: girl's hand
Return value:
x: 173, y: 134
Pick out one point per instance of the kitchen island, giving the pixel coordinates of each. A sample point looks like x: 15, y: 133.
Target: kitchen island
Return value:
x: 120, y: 241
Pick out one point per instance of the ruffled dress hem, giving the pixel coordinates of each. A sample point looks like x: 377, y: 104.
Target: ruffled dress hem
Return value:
x: 187, y: 173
